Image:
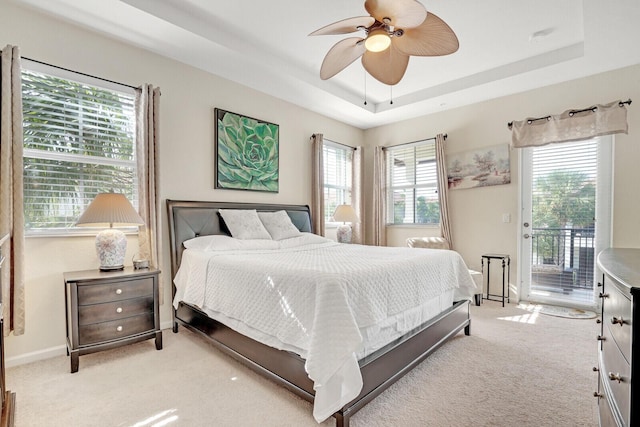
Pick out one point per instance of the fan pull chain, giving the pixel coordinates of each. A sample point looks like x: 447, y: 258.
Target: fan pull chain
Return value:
x: 365, y: 88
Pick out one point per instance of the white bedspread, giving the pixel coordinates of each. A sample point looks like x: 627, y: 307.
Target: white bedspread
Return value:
x: 315, y: 299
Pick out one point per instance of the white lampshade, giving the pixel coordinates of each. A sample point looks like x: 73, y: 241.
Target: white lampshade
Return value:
x: 345, y: 213
x: 107, y: 210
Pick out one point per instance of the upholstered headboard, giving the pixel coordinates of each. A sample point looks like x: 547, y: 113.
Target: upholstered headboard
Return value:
x: 189, y: 219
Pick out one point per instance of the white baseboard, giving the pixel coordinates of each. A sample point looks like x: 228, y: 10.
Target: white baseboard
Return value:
x: 50, y: 352
x: 35, y: 356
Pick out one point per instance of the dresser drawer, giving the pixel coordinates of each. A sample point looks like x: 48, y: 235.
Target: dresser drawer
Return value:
x: 613, y: 362
x: 117, y: 291
x: 96, y: 313
x: 617, y: 308
x: 607, y: 419
x: 107, y: 331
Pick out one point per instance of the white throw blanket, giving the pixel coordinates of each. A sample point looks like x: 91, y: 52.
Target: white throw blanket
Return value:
x: 313, y: 300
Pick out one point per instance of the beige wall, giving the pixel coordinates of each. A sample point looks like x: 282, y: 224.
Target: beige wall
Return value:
x: 189, y: 96
x: 476, y: 214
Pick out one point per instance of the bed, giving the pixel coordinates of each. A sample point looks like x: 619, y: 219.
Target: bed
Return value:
x: 293, y: 365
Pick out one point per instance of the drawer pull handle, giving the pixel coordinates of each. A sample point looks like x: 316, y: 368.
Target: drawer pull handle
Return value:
x: 603, y: 295
x: 601, y: 338
x: 615, y: 320
x: 119, y: 310
x: 598, y: 321
x: 118, y: 291
x: 119, y: 329
x: 595, y: 369
x: 596, y: 394
x: 615, y: 377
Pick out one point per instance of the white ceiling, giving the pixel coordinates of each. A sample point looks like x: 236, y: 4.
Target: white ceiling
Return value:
x: 265, y: 45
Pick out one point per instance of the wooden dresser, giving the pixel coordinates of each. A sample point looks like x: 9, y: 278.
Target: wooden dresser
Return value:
x: 110, y: 309
x: 8, y: 398
x: 619, y: 342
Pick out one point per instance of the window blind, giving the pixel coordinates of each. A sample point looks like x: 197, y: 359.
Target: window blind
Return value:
x: 337, y: 177
x: 412, y: 179
x: 78, y: 142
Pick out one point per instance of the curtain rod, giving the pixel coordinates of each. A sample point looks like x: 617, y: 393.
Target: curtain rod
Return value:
x: 78, y: 72
x: 337, y: 143
x: 571, y: 113
x: 412, y: 142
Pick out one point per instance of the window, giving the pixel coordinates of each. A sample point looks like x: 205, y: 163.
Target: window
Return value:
x: 337, y: 177
x: 78, y: 142
x: 412, y: 190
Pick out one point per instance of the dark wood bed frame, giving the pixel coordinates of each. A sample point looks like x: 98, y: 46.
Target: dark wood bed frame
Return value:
x: 379, y: 370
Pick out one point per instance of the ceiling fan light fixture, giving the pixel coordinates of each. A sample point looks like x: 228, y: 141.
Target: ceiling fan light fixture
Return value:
x: 377, y: 41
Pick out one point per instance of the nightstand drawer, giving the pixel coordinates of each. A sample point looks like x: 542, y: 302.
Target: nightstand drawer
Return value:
x: 95, y: 294
x: 106, y: 331
x: 617, y: 308
x: 96, y: 313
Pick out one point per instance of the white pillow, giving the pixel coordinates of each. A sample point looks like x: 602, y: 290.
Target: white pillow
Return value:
x: 303, y: 240
x: 219, y: 242
x: 278, y: 224
x: 244, y: 224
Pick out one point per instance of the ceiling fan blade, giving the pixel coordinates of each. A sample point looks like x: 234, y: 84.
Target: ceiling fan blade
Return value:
x: 387, y: 66
x: 402, y: 13
x: 341, y: 55
x: 432, y: 38
x: 346, y: 26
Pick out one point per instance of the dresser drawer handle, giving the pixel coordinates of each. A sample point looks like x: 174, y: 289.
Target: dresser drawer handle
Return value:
x: 603, y: 295
x: 119, y: 310
x: 615, y: 320
x: 118, y: 291
x: 119, y: 329
x: 615, y: 377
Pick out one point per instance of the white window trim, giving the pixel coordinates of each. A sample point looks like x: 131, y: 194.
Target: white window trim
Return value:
x: 39, y: 67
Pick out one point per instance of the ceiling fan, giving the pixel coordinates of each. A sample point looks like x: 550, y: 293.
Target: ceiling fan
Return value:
x: 396, y: 30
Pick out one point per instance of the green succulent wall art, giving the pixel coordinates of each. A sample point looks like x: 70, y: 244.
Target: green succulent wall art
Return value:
x: 246, y: 153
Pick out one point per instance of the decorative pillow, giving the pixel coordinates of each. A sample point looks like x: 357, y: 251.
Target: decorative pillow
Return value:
x: 278, y: 224
x: 244, y: 224
x: 220, y: 242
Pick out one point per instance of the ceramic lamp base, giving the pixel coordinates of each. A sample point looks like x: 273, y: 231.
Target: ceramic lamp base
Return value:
x: 343, y: 233
x: 111, y: 246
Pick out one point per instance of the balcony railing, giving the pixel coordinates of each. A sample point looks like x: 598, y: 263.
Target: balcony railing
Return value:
x: 562, y: 257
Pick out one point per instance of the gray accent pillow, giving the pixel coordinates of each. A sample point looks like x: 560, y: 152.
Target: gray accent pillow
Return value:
x: 244, y: 223
x: 279, y: 225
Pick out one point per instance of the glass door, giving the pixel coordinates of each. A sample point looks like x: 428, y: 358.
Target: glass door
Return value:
x: 566, y: 220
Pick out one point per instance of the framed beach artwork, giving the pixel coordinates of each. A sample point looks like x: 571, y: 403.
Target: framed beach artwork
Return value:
x: 479, y: 168
x: 247, y: 153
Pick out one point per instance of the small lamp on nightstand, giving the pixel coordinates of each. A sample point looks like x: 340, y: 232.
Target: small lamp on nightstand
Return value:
x: 344, y: 214
x: 109, y: 209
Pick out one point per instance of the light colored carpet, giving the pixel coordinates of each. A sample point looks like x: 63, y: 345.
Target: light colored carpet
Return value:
x: 516, y: 369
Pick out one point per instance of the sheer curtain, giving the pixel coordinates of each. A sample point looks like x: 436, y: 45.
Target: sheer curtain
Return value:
x: 317, y: 184
x: 443, y: 190
x: 572, y: 125
x: 356, y: 194
x: 147, y: 104
x: 11, y: 192
x: 379, y: 197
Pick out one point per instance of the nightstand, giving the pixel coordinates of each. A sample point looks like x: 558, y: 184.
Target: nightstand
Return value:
x: 107, y: 309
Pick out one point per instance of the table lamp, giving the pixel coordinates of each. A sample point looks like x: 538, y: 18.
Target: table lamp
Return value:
x: 109, y: 209
x: 344, y: 214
